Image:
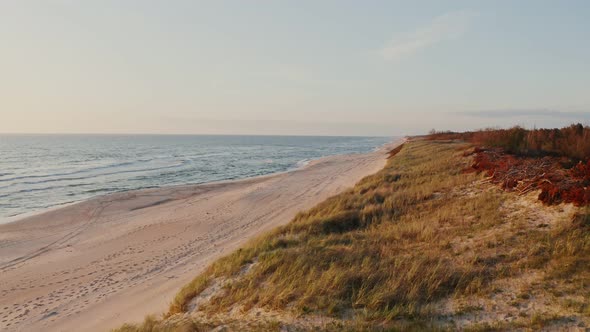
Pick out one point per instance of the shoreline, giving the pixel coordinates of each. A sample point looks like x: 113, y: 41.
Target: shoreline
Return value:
x: 298, y: 166
x: 114, y: 258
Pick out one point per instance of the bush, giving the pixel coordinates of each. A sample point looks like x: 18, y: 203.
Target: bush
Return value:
x: 572, y: 141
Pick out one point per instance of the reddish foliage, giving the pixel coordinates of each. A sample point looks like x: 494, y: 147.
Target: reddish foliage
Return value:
x: 582, y: 171
x: 523, y: 174
x: 572, y: 141
x: 524, y: 160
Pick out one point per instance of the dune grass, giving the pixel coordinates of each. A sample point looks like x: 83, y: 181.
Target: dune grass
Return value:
x: 393, y: 248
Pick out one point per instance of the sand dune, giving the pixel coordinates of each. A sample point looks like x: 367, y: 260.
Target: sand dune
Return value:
x: 94, y: 265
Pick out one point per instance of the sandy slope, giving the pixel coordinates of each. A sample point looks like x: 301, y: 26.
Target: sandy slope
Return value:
x: 96, y: 264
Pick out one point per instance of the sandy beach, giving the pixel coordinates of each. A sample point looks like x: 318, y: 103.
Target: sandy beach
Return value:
x: 96, y: 264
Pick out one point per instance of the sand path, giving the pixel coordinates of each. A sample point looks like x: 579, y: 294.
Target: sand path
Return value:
x: 94, y: 265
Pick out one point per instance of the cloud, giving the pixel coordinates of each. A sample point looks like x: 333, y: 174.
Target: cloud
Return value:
x: 445, y: 27
x: 526, y: 113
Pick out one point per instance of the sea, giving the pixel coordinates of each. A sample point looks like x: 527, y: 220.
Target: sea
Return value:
x: 38, y: 172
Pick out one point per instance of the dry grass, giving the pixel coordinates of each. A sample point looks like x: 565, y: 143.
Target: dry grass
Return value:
x: 150, y: 323
x: 390, y: 252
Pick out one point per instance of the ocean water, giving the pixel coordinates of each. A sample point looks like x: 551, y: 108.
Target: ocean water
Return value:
x: 42, y: 171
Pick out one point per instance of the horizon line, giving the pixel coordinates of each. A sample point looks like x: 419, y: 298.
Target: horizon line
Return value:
x: 193, y: 134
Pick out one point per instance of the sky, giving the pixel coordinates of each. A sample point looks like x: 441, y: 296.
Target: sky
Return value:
x: 292, y: 67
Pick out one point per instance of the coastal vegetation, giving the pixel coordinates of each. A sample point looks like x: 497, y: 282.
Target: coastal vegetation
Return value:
x: 429, y: 242
x: 572, y: 141
x: 554, y: 161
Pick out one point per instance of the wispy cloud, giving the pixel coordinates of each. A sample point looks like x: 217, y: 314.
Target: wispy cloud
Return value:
x: 445, y: 27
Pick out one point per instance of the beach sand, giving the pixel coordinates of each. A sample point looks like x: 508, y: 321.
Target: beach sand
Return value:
x: 94, y: 265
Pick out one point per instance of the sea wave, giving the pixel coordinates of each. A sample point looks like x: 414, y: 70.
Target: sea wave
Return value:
x: 81, y: 171
x: 29, y: 190
x: 94, y: 175
x: 302, y: 163
x: 37, y: 173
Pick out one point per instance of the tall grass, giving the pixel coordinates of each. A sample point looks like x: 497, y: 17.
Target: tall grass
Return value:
x: 391, y: 248
x: 376, y: 248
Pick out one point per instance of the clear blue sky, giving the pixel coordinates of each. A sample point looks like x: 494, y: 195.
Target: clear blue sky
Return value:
x: 292, y: 67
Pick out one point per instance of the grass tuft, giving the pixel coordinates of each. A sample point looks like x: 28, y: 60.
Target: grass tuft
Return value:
x: 383, y: 254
